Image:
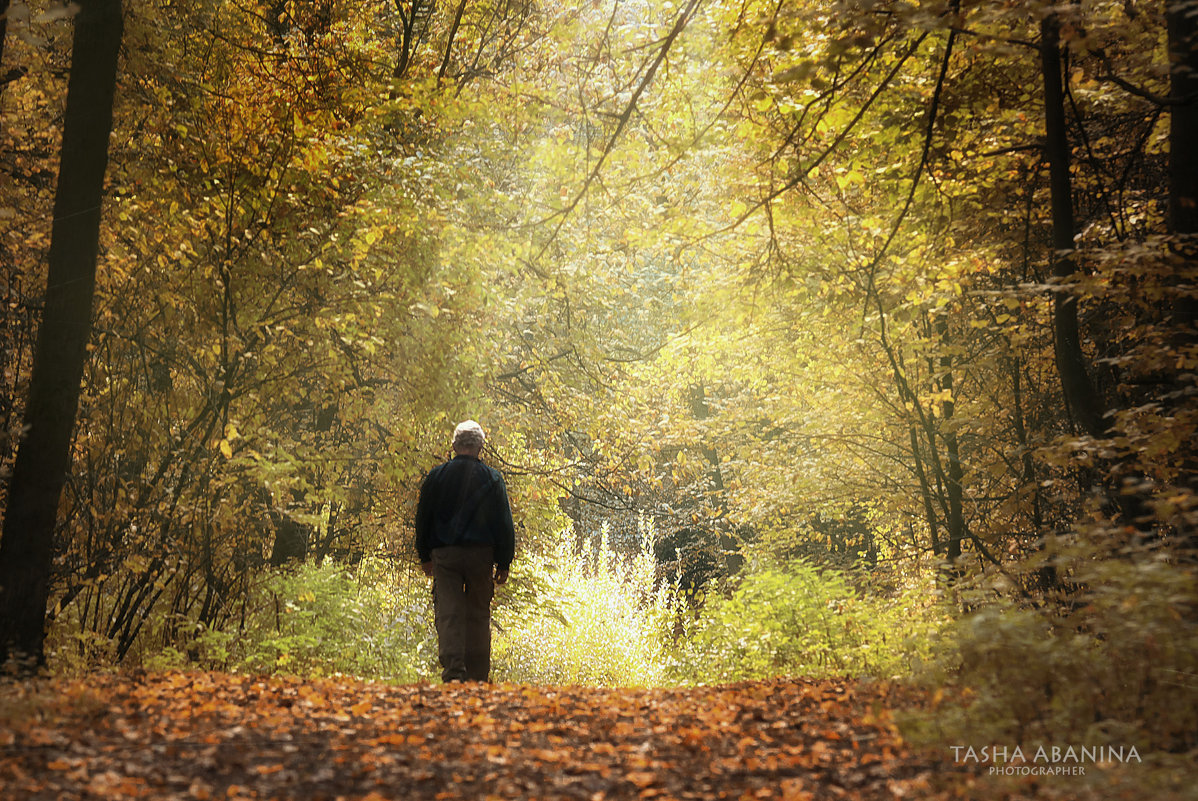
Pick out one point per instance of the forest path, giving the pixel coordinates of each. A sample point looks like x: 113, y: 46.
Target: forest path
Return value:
x: 218, y: 736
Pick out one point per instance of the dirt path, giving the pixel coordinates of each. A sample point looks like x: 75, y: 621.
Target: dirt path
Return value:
x: 218, y: 736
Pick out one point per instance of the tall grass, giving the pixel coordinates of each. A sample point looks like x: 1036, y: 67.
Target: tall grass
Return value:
x: 609, y: 620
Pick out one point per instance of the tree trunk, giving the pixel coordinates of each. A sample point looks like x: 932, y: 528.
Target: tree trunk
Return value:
x: 43, y: 456
x: 3, y: 31
x: 12, y: 74
x: 925, y: 490
x: 1080, y: 394
x: 955, y: 522
x: 453, y: 32
x: 699, y: 408
x: 409, y: 35
x: 1182, y: 20
x: 1182, y: 17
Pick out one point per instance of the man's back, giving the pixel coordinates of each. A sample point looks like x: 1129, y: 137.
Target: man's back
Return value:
x: 466, y: 539
x: 464, y: 502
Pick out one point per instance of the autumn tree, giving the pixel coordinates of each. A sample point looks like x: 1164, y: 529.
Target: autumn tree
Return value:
x: 43, y: 457
x: 280, y: 348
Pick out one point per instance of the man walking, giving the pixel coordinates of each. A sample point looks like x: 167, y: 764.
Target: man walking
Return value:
x: 466, y: 540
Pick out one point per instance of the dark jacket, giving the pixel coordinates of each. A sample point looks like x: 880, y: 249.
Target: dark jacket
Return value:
x: 464, y: 502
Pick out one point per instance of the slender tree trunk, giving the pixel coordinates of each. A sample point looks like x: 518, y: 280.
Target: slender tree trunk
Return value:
x: 408, y: 34
x: 936, y: 496
x: 1046, y: 575
x: 955, y: 472
x: 1182, y: 21
x: 6, y: 76
x: 1025, y: 448
x: 701, y: 411
x: 925, y: 490
x: 1079, y: 390
x: 453, y: 32
x: 11, y: 74
x: 3, y: 32
x: 43, y: 457
x: 1182, y: 18
x: 1082, y: 396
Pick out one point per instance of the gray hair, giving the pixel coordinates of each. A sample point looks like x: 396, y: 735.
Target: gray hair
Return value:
x: 468, y: 435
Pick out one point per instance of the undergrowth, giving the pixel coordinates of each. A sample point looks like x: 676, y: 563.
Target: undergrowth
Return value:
x: 576, y: 611
x: 799, y: 620
x: 1115, y: 662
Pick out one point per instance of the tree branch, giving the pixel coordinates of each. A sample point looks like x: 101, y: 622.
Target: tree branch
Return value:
x: 679, y: 25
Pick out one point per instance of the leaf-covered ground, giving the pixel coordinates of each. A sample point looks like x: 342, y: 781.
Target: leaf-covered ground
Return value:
x: 218, y: 736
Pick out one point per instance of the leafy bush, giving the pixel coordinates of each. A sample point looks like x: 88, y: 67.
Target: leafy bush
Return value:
x: 798, y: 620
x: 319, y: 619
x: 1117, y: 665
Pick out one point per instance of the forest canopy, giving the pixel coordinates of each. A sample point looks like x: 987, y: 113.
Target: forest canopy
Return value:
x: 812, y: 338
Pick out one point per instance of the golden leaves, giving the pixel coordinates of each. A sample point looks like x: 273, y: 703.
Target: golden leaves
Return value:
x: 208, y: 736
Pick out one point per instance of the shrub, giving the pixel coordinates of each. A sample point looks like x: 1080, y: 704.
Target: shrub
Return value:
x: 798, y: 620
x: 1118, y: 664
x: 319, y: 619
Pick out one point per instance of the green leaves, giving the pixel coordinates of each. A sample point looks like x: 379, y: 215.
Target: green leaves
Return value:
x: 798, y: 620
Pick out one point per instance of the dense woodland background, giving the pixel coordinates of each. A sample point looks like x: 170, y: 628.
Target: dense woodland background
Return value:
x: 812, y: 337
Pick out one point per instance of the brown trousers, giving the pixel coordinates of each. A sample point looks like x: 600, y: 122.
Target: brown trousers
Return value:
x: 463, y: 585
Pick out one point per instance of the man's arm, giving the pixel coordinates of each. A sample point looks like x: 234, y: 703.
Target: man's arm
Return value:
x: 505, y: 533
x: 424, y: 524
